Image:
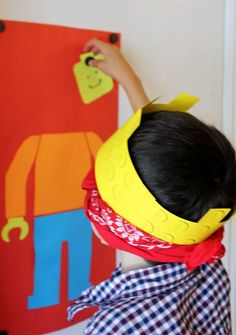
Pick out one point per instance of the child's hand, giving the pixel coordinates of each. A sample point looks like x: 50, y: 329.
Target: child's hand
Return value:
x: 117, y: 67
x: 114, y: 63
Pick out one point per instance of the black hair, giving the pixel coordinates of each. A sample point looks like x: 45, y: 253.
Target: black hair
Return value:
x: 187, y: 165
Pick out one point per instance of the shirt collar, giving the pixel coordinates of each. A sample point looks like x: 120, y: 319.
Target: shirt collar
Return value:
x: 138, y: 284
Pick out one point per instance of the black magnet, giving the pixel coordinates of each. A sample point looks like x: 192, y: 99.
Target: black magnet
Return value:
x: 87, y: 60
x: 3, y: 332
x: 113, y: 38
x: 2, y: 28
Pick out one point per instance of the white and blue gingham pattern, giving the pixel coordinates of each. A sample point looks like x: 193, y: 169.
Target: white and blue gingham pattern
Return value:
x: 165, y: 299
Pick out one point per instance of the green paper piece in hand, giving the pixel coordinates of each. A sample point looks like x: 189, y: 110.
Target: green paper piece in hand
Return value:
x: 92, y: 83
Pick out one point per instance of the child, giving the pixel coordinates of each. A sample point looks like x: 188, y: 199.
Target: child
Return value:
x: 173, y: 165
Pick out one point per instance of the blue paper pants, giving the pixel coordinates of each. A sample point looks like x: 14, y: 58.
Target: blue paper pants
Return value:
x: 50, y: 232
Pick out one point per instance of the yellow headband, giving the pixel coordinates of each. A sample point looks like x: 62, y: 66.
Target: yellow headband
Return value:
x: 121, y: 187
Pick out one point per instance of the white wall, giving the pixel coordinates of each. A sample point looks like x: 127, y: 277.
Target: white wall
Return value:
x: 229, y: 126
x: 174, y: 45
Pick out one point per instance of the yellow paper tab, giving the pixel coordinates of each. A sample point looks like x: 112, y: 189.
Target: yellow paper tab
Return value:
x: 92, y: 83
x: 182, y: 103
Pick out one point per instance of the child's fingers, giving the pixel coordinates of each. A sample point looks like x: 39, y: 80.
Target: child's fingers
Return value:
x: 94, y: 63
x: 91, y: 44
x: 95, y: 44
x: 95, y: 50
x: 101, y: 65
x: 88, y: 46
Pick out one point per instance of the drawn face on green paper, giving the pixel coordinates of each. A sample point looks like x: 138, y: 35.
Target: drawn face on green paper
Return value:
x: 92, y: 83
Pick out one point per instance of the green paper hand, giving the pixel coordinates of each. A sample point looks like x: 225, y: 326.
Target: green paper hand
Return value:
x: 13, y: 223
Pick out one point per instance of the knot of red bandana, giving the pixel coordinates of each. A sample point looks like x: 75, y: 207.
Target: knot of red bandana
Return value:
x: 123, y: 235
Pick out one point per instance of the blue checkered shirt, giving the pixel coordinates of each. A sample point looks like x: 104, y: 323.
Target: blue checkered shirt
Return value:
x: 165, y: 299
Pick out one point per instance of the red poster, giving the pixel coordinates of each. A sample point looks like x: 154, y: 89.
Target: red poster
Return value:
x: 49, y: 137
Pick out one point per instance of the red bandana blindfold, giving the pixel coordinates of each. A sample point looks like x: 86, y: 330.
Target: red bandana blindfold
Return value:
x: 120, y: 234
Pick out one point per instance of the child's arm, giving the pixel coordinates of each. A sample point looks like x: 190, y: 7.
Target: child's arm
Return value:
x: 117, y: 67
